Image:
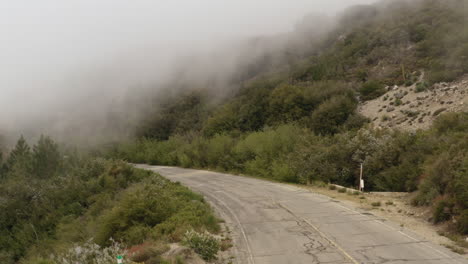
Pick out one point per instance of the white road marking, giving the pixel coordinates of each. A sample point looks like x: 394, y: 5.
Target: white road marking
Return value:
x: 250, y: 255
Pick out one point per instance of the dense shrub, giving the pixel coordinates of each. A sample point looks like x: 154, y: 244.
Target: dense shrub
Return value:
x: 462, y: 224
x: 421, y: 87
x: 442, y: 210
x: 202, y: 243
x: 371, y: 90
x: 140, y: 214
x: 332, y: 114
x: 451, y: 122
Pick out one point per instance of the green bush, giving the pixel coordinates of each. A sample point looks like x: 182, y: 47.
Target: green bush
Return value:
x: 371, y: 90
x: 171, y: 212
x: 462, y: 222
x: 441, y: 75
x: 332, y: 114
x: 408, y: 82
x: 204, y: 244
x: 442, y: 211
x: 282, y: 171
x: 398, y: 102
x: 451, y: 122
x: 421, y: 87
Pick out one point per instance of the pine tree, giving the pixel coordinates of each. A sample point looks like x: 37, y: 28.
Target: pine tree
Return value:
x: 46, y: 157
x: 2, y: 172
x: 20, y: 155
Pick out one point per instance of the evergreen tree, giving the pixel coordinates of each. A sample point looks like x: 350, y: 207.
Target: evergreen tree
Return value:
x: 46, y: 157
x: 20, y: 155
x: 1, y: 165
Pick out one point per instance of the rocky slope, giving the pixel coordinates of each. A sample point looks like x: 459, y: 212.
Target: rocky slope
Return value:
x: 416, y: 106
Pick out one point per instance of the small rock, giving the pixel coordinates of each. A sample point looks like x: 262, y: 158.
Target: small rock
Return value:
x: 390, y: 109
x: 399, y: 95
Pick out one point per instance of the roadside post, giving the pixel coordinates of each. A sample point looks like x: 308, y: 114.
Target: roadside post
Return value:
x: 361, y: 181
x: 119, y: 259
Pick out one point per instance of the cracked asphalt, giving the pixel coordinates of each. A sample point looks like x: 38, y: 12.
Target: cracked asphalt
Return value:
x: 280, y: 224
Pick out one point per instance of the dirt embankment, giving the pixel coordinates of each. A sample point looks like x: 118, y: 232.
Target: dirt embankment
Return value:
x: 416, y: 106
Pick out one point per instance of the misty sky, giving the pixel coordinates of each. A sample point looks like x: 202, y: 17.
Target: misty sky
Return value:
x: 59, y: 55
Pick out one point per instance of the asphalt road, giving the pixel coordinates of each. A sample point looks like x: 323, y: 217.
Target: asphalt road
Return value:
x: 279, y: 224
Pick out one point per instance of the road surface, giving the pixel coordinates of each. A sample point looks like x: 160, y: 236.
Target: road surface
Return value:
x: 280, y: 224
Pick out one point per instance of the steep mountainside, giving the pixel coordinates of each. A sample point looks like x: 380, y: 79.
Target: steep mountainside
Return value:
x: 388, y: 44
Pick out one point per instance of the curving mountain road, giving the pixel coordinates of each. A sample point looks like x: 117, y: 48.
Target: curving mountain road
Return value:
x: 278, y: 224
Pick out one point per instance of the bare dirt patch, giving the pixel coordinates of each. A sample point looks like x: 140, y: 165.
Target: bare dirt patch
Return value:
x: 416, y: 106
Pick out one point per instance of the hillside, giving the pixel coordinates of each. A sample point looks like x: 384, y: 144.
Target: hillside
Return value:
x: 395, y: 64
x: 372, y: 47
x: 416, y: 106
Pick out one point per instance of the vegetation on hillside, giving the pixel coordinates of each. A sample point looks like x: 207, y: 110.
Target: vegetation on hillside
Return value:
x: 54, y: 201
x: 390, y: 43
x: 433, y: 162
x: 300, y: 124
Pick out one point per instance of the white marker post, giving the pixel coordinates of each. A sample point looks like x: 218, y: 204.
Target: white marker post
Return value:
x: 361, y: 181
x: 119, y: 259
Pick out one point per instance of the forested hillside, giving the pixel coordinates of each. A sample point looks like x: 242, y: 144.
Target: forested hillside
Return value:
x: 299, y: 123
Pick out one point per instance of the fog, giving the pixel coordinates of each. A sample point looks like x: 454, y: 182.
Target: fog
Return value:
x: 66, y: 66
